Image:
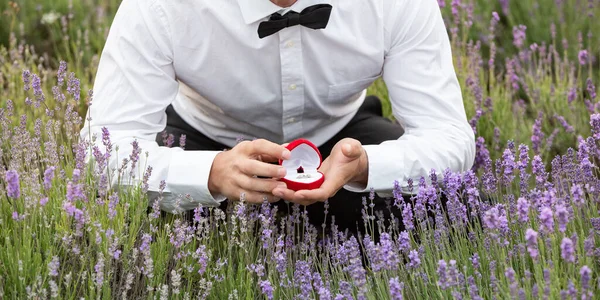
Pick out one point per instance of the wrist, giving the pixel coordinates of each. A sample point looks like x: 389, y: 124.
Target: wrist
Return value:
x: 213, y: 187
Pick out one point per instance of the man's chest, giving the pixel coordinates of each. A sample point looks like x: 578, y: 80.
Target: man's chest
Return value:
x: 221, y: 57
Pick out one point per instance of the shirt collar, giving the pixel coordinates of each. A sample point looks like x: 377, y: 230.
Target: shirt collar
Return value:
x: 254, y: 10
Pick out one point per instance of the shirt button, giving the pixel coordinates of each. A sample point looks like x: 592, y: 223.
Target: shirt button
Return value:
x: 289, y: 44
x: 290, y: 120
x: 292, y: 87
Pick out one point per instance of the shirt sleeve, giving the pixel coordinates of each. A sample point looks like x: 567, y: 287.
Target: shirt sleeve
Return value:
x: 134, y: 84
x: 426, y: 99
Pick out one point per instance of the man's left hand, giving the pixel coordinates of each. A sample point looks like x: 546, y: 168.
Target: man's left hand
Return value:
x: 347, y: 163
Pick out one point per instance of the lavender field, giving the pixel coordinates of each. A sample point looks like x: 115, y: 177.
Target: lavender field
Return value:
x: 524, y: 223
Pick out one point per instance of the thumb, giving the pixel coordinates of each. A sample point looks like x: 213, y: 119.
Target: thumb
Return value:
x: 352, y: 151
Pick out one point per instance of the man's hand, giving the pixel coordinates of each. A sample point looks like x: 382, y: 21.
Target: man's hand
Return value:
x: 347, y: 163
x: 235, y: 171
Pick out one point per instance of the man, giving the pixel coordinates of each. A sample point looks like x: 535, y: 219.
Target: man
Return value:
x: 273, y: 71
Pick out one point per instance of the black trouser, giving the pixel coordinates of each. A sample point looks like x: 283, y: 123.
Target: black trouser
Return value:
x: 368, y: 126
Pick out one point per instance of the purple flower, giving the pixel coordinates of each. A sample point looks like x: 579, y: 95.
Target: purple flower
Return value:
x: 591, y: 88
x: 538, y: 135
x: 586, y: 274
x: 595, y: 122
x: 578, y: 197
x: 546, y: 220
x: 43, y: 201
x: 113, y: 200
x: 442, y: 272
x: 531, y: 238
x: 475, y: 261
x: 48, y: 176
x: 519, y: 35
x: 396, y: 288
x: 303, y: 278
x: 53, y: 266
x: 568, y: 128
x: 407, y: 217
x: 563, y: 217
x: 595, y: 224
x: 415, y: 261
x: 266, y: 289
x: 523, y: 209
x: 567, y: 250
x: 583, y: 57
x: 61, y: 73
x: 508, y: 164
x: 99, y: 268
x: 13, y: 188
x: 182, y: 139
x: 404, y: 241
x: 26, y: 80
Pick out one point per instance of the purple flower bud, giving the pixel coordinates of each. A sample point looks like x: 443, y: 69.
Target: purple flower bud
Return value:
x: 53, y: 266
x: 519, y: 35
x: 13, y: 187
x: 567, y: 250
x: 48, y: 176
x: 266, y: 289
x: 595, y: 122
x: 407, y: 217
x: 43, y: 201
x: 415, y: 261
x: 538, y: 135
x: 396, y: 288
x: 546, y: 220
x: 595, y: 224
x: 26, y: 80
x: 583, y: 57
x: 578, y: 197
x: 562, y: 215
x: 531, y: 238
x: 586, y: 276
x: 523, y: 209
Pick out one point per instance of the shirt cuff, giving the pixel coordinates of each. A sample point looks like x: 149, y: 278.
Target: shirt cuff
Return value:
x: 383, y: 171
x: 188, y: 177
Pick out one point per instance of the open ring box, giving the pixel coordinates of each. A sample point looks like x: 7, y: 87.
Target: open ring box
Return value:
x: 302, y: 166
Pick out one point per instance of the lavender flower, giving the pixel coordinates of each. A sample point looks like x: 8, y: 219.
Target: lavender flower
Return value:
x: 583, y: 57
x: 48, y: 176
x: 266, y: 289
x: 531, y: 238
x: 546, y: 220
x: 415, y: 261
x: 567, y: 250
x: 26, y: 80
x: 563, y: 217
x: 13, y: 188
x: 53, y: 266
x: 523, y: 209
x: 396, y: 288
x: 407, y: 217
x: 519, y: 35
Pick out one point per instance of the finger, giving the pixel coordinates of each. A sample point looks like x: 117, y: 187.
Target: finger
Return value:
x: 284, y: 193
x: 352, y: 150
x: 259, y: 184
x: 264, y: 147
x: 259, y: 198
x: 268, y: 158
x: 258, y: 168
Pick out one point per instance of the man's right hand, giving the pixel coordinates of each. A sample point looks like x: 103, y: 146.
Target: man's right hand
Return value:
x: 235, y: 172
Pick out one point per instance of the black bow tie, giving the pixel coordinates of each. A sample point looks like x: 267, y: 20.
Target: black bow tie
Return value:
x: 315, y: 17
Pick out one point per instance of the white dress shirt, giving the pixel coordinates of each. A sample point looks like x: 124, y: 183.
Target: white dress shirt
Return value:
x: 205, y: 58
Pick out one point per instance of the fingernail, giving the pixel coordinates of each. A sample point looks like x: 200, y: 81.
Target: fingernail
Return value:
x: 281, y: 172
x: 286, y: 154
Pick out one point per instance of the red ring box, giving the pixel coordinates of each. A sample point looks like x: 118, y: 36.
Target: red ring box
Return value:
x: 302, y: 167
